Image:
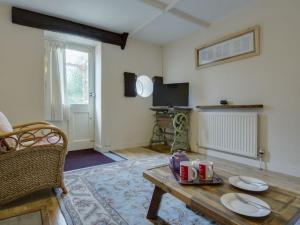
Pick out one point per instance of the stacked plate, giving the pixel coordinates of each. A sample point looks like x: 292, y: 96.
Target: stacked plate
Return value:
x: 245, y: 204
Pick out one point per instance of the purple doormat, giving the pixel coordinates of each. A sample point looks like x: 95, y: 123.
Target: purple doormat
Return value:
x: 85, y: 158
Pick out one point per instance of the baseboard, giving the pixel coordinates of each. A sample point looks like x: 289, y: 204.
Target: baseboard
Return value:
x: 129, y: 145
x: 121, y: 146
x: 100, y: 149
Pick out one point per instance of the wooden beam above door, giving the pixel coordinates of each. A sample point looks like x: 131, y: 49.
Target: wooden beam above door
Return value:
x: 46, y: 22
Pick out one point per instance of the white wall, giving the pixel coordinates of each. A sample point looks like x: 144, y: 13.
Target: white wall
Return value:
x: 272, y: 78
x: 126, y: 121
x: 21, y: 70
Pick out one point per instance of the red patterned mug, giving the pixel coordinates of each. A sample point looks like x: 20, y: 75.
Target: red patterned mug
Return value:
x: 205, y: 169
x: 187, y: 171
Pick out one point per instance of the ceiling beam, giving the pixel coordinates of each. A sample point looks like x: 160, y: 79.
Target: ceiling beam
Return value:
x: 166, y: 8
x: 189, y: 18
x: 176, y: 12
x: 45, y: 22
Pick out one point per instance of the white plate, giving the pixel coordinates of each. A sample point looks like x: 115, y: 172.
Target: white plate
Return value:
x: 248, y: 183
x: 231, y: 202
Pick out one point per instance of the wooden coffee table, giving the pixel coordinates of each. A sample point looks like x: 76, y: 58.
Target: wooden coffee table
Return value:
x: 206, y: 199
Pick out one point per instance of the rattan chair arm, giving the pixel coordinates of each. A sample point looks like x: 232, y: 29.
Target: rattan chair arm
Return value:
x: 25, y: 129
x: 33, y: 128
x: 30, y: 124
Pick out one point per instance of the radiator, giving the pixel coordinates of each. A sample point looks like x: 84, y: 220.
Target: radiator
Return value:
x: 229, y: 132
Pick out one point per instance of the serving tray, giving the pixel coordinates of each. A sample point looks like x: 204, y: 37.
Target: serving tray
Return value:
x: 215, y: 181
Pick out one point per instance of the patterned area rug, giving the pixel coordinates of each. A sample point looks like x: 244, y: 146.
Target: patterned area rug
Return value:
x: 117, y: 194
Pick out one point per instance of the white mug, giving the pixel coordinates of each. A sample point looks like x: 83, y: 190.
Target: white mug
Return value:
x: 187, y: 171
x: 205, y: 169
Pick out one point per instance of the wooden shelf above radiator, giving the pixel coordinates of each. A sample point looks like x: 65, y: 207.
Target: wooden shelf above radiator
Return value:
x: 203, y: 107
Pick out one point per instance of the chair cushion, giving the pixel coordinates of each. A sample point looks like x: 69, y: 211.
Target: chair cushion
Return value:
x: 6, y: 127
x: 44, y: 141
x: 3, y: 146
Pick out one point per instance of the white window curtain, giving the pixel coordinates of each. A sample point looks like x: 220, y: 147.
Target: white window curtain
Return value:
x: 55, y: 105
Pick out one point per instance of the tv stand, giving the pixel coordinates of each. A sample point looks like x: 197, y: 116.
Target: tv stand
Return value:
x: 171, y: 127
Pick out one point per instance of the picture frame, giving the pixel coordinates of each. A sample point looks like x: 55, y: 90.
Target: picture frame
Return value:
x: 236, y: 46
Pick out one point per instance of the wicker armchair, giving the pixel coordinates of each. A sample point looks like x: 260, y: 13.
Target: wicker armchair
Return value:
x: 34, y: 161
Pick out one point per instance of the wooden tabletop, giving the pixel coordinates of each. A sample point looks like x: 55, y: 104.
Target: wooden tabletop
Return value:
x: 206, y: 199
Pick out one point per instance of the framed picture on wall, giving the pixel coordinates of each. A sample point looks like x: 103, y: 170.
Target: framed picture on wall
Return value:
x: 240, y: 45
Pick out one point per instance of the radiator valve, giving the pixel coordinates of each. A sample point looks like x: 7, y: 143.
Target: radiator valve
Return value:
x: 261, y: 153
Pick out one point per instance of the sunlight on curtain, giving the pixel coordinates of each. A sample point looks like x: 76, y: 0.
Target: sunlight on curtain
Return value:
x: 54, y: 84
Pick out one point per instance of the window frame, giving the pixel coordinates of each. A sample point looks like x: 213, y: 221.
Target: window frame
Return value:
x: 91, y: 66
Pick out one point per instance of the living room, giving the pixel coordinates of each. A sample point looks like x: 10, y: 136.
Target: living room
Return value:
x: 235, y: 113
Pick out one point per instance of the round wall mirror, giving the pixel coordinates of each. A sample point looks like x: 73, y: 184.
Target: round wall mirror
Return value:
x: 144, y: 86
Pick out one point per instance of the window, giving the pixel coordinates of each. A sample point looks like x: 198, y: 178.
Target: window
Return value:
x: 144, y: 86
x: 77, y: 76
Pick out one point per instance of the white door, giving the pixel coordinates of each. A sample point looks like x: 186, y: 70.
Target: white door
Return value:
x: 80, y: 87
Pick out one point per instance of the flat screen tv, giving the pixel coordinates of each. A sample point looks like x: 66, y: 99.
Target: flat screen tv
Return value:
x: 176, y: 94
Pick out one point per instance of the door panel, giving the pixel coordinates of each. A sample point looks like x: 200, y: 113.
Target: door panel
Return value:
x: 80, y: 89
x: 81, y: 127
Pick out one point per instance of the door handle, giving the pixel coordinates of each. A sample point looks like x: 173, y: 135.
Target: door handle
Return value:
x: 92, y: 94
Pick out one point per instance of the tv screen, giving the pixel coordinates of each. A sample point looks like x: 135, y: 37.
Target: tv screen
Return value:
x: 176, y: 94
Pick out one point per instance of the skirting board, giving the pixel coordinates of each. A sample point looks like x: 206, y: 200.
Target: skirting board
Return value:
x: 101, y: 148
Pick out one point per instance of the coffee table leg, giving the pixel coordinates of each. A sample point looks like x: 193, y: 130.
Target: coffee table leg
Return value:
x: 155, y: 203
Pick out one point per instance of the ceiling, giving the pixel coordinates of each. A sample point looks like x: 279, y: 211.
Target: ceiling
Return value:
x: 139, y: 18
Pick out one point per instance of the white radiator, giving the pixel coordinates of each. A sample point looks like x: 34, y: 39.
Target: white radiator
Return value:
x: 230, y: 132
